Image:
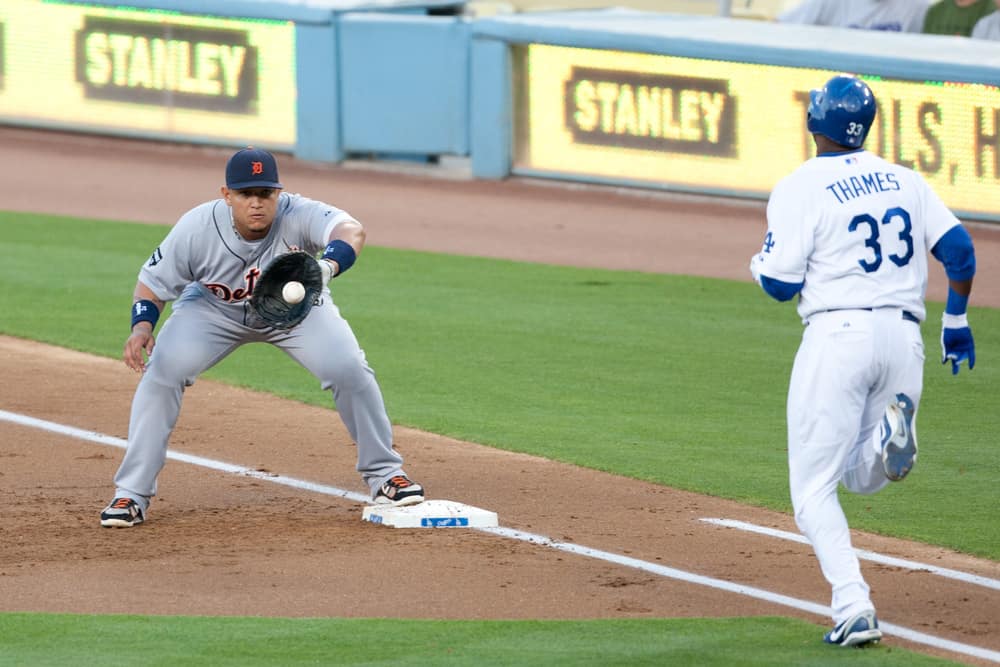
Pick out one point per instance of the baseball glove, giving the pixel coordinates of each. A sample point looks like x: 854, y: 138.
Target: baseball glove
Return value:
x: 267, y: 300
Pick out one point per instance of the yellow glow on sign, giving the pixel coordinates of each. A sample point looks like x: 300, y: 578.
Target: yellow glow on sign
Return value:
x: 735, y: 126
x: 148, y: 71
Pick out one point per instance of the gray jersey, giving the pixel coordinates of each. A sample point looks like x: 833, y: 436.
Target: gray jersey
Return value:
x: 209, y: 270
x: 204, y: 252
x: 987, y: 27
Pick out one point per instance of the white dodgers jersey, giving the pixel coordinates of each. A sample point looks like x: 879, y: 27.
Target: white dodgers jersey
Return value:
x: 856, y: 229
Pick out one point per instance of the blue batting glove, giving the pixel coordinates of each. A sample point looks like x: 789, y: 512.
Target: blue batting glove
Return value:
x: 956, y: 342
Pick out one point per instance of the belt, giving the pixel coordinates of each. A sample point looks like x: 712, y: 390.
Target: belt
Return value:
x: 907, y: 315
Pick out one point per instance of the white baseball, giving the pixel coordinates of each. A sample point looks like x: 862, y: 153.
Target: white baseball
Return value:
x: 293, y: 292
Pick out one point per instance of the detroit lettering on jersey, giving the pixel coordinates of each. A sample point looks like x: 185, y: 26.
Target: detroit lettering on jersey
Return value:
x: 204, y: 256
x: 858, y: 186
x: 227, y: 293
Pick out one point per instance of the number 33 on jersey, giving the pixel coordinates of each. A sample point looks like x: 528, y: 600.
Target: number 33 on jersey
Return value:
x: 851, y: 218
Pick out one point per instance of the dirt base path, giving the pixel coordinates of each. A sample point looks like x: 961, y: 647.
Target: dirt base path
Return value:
x: 218, y: 543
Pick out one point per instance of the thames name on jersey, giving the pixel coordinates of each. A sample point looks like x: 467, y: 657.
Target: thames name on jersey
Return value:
x: 856, y: 186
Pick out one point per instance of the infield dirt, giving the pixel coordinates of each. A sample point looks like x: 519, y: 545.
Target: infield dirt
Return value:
x: 223, y: 544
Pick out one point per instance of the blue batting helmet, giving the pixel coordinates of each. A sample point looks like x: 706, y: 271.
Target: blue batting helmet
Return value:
x: 842, y: 111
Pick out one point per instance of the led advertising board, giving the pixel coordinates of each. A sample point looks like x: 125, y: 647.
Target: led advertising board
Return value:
x: 735, y: 127
x: 141, y: 71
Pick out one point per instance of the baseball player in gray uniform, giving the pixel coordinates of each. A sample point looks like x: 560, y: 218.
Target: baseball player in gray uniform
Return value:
x: 207, y: 266
x: 848, y: 234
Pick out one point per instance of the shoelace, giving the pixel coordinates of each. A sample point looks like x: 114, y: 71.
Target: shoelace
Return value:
x: 400, y: 482
x: 121, y: 503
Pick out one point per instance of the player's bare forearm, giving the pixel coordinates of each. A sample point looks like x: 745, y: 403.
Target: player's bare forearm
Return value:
x: 351, y: 232
x: 143, y: 293
x: 962, y: 287
x: 344, y: 245
x: 139, y: 345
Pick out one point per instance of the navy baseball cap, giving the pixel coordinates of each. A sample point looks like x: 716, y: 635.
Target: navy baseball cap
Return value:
x: 252, y: 168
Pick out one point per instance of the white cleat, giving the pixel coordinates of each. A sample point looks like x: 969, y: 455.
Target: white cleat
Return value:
x: 899, y: 446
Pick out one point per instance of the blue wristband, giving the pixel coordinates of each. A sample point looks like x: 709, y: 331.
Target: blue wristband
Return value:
x: 342, y: 253
x: 145, y: 310
x: 957, y: 304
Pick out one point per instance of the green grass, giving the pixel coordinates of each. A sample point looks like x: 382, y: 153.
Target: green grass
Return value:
x: 680, y: 381
x: 149, y: 641
x: 675, y: 380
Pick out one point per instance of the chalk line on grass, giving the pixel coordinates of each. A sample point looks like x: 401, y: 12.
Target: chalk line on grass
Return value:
x: 509, y: 533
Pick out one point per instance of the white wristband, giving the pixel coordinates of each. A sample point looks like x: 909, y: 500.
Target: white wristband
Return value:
x: 327, y: 269
x: 949, y: 321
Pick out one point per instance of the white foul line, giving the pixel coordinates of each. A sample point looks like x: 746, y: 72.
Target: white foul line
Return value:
x: 102, y: 439
x: 653, y: 568
x: 864, y: 554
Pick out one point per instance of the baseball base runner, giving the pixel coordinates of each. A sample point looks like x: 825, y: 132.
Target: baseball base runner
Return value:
x: 848, y: 234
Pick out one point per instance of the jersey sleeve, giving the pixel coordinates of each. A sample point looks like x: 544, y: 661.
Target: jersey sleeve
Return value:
x: 939, y: 217
x: 168, y: 270
x: 314, y: 221
x: 788, y: 243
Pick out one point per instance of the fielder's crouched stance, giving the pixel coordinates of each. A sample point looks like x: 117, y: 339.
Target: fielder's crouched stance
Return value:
x: 849, y: 232
x: 208, y: 265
